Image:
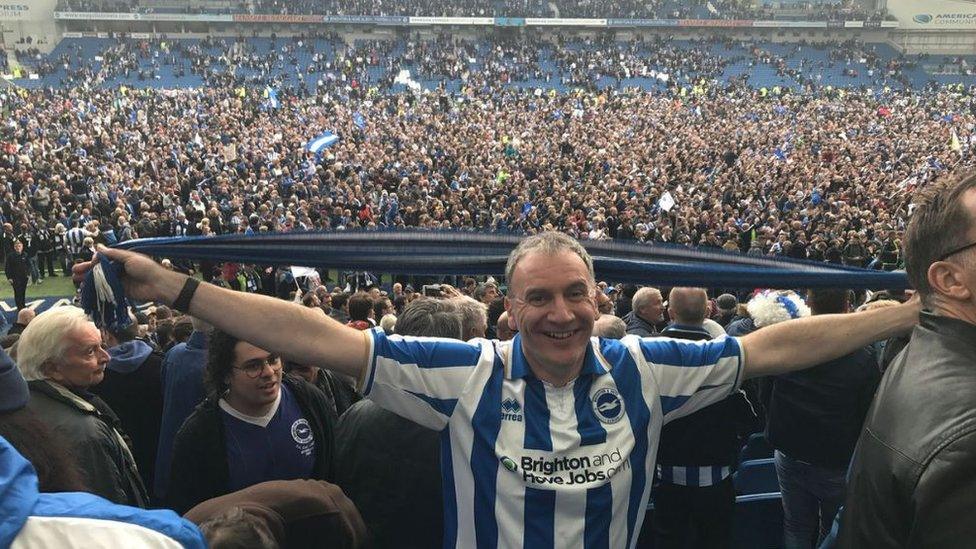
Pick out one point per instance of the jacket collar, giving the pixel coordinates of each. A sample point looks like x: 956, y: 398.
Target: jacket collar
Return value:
x: 948, y: 326
x: 62, y: 394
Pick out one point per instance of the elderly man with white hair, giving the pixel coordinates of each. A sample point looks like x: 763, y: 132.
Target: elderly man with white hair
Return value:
x: 61, y: 356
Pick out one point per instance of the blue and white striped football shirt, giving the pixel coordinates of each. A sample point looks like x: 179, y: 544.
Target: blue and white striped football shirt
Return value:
x: 529, y: 464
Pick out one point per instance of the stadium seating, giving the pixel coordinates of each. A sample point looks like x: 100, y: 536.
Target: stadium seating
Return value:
x: 758, y: 521
x: 811, y: 63
x: 757, y: 476
x: 757, y: 447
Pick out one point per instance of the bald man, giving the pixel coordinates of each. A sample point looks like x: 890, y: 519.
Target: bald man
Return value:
x: 696, y: 498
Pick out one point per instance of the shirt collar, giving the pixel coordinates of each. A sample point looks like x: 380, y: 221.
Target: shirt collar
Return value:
x: 592, y: 363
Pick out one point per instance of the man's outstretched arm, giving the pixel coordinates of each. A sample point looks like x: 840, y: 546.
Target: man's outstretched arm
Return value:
x: 806, y: 342
x: 278, y: 326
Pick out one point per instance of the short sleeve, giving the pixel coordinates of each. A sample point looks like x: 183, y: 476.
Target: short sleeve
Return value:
x: 419, y: 378
x: 692, y: 374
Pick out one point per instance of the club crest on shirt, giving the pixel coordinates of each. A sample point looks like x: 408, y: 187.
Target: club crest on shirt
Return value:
x: 608, y: 405
x: 301, y: 431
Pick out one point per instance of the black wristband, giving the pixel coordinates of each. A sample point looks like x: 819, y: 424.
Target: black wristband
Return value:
x: 182, y: 302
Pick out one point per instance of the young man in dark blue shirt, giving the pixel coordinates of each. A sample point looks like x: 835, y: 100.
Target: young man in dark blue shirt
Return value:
x: 256, y: 425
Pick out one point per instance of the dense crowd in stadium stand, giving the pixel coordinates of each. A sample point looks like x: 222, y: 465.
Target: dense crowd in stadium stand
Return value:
x: 629, y: 9
x: 803, y: 169
x: 818, y: 173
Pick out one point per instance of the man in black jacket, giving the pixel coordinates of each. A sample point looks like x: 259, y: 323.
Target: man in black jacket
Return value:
x: 18, y: 271
x: 255, y: 426
x: 814, y: 420
x: 390, y: 466
x: 61, y: 356
x: 648, y: 309
x: 695, y: 500
x: 914, y: 468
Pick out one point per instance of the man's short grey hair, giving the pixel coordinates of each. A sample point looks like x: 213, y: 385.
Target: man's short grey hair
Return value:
x: 44, y: 341
x: 549, y: 243
x: 236, y: 528
x: 644, y: 296
x: 688, y: 305
x: 430, y: 317
x: 474, y: 313
x: 610, y: 327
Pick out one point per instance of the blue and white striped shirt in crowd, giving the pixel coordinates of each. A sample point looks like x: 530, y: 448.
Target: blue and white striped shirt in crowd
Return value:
x: 529, y: 464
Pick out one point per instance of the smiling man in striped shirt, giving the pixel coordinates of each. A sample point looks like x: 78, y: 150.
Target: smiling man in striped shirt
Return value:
x: 548, y: 440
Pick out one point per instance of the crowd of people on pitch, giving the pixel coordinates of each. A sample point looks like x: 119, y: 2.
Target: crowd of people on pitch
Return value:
x: 849, y: 10
x: 823, y: 174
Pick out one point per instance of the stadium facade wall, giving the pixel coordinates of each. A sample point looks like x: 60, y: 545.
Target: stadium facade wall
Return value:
x: 35, y: 18
x: 937, y: 43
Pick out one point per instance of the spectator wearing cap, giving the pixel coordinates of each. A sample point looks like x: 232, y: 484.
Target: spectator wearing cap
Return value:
x: 61, y: 356
x: 292, y: 514
x: 648, y: 310
x: 815, y: 417
x: 696, y: 498
x: 132, y: 387
x: 255, y: 425
x: 766, y: 308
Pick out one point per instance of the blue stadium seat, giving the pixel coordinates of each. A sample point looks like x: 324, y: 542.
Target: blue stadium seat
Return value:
x: 757, y: 447
x: 758, y: 521
x: 757, y: 476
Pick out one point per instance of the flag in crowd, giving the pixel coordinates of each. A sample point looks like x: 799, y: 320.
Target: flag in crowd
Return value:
x: 322, y: 142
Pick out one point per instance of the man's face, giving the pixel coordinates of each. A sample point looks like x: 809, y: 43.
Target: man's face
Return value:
x: 551, y: 304
x: 491, y: 294
x: 256, y: 377
x: 654, y: 310
x: 84, y: 361
x: 18, y: 247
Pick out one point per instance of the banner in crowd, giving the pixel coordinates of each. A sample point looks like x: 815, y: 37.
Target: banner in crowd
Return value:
x: 419, y: 252
x: 478, y: 21
x: 935, y: 15
x: 9, y: 309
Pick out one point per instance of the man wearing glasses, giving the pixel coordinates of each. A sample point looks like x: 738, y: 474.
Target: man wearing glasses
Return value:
x: 912, y: 478
x: 255, y: 425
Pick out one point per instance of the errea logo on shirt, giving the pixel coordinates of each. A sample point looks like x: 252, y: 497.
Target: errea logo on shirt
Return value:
x: 511, y: 410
